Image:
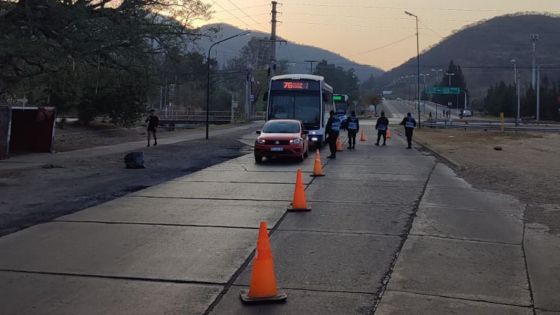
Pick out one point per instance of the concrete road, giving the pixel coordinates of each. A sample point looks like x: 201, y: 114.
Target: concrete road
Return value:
x: 391, y: 231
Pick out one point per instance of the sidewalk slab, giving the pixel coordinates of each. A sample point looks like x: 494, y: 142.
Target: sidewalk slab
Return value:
x: 397, y: 303
x: 30, y: 294
x: 299, y: 302
x: 543, y: 261
x: 244, y: 177
x: 128, y: 250
x: 462, y: 269
x: 350, y: 218
x: 330, y: 261
x: 363, y: 192
x: 472, y: 199
x: 172, y: 211
x: 230, y: 191
x: 491, y: 226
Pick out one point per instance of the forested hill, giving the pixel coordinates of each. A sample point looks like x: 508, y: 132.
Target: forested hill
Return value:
x: 295, y: 54
x: 485, y: 50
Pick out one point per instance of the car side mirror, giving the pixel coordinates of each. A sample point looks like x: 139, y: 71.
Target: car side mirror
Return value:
x: 258, y: 132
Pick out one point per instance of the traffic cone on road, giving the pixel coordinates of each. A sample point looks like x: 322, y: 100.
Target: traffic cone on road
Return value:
x: 388, y: 135
x: 298, y: 202
x: 339, y: 145
x: 317, y: 168
x: 362, y: 136
x: 262, y: 287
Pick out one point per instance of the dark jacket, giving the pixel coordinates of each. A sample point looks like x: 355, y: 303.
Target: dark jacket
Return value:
x: 410, y: 120
x: 153, y: 122
x: 382, y: 124
x: 329, y: 128
x: 353, y: 119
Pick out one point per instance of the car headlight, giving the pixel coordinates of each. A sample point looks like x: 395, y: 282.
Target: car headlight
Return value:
x: 295, y: 141
x: 261, y: 141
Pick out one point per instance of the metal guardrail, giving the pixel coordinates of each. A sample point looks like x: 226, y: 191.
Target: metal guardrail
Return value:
x: 223, y: 117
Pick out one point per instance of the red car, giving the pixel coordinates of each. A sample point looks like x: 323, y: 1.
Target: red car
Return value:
x: 282, y: 138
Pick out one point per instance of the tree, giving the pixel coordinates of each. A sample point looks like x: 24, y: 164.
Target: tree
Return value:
x: 80, y: 52
x: 342, y: 81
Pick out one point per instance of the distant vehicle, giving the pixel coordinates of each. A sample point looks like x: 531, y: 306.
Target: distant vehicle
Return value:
x: 465, y: 113
x: 341, y: 106
x: 282, y: 138
x: 303, y: 97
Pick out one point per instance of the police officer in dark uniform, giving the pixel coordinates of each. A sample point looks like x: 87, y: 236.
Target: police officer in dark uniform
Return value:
x: 381, y: 126
x: 353, y: 126
x: 332, y: 130
x: 409, y: 124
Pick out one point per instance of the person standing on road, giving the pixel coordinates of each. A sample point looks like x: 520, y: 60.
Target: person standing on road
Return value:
x: 409, y: 124
x: 332, y: 130
x: 153, y: 122
x: 353, y: 126
x: 381, y: 127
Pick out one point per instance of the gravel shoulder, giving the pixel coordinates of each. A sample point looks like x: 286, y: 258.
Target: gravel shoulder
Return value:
x: 527, y: 166
x: 36, y: 194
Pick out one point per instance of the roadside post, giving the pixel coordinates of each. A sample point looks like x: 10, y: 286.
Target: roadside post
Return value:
x: 502, y: 127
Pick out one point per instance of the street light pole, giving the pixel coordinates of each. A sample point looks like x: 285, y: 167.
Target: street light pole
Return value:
x: 516, y: 77
x: 208, y: 78
x: 417, y: 64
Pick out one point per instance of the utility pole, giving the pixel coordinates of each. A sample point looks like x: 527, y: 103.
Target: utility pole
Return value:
x: 273, y: 39
x: 311, y: 62
x: 248, y: 76
x: 516, y: 78
x: 534, y: 39
x: 538, y: 92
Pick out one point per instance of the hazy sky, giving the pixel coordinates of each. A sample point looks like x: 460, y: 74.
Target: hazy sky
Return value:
x: 375, y: 32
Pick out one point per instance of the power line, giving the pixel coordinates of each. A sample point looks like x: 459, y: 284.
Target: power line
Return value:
x: 229, y: 12
x: 384, y: 46
x: 242, y: 11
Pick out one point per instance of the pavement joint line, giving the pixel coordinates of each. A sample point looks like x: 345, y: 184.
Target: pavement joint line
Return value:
x: 531, y: 294
x: 231, y: 182
x: 123, y: 278
x: 194, y: 198
x: 387, y: 278
x: 396, y: 204
x: 464, y: 239
x: 241, y: 268
x: 431, y: 205
x: 347, y: 232
x: 460, y: 298
x: 158, y: 224
x: 315, y: 290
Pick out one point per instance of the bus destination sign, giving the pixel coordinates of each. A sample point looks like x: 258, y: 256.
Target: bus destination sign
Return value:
x: 295, y: 85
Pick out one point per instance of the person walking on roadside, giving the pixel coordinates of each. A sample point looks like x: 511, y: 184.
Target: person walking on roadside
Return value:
x: 153, y: 122
x: 381, y: 126
x: 332, y: 130
x: 353, y: 126
x: 409, y: 124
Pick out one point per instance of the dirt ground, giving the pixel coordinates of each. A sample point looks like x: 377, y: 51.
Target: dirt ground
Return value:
x: 527, y: 166
x: 37, y: 194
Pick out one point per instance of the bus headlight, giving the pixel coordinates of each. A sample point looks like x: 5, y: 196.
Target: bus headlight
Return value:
x: 313, y: 132
x: 295, y: 141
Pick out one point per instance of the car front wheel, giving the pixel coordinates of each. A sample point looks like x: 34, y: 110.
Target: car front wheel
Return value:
x: 258, y: 159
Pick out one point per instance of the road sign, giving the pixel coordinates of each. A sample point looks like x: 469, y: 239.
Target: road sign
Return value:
x: 443, y: 90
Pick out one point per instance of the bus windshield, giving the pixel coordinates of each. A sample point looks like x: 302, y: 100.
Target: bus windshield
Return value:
x: 302, y: 106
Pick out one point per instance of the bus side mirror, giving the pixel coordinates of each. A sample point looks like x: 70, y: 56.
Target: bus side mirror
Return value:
x: 265, y: 97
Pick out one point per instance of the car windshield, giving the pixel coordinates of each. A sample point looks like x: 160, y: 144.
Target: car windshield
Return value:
x: 281, y: 127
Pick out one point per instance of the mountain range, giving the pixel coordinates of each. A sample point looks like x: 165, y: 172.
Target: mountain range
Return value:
x: 485, y: 51
x: 295, y: 54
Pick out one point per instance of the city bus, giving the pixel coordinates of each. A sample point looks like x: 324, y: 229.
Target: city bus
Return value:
x: 304, y: 97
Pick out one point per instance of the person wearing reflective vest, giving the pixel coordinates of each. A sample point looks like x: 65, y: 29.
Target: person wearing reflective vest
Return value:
x: 353, y: 126
x: 332, y: 130
x: 409, y: 124
x: 381, y: 126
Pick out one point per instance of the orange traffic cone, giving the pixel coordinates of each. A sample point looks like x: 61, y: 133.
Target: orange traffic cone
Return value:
x: 388, y: 135
x: 339, y: 145
x: 262, y: 287
x: 298, y: 203
x: 362, y: 136
x: 317, y: 168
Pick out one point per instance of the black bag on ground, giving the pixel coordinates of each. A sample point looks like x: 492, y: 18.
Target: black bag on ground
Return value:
x: 134, y: 160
